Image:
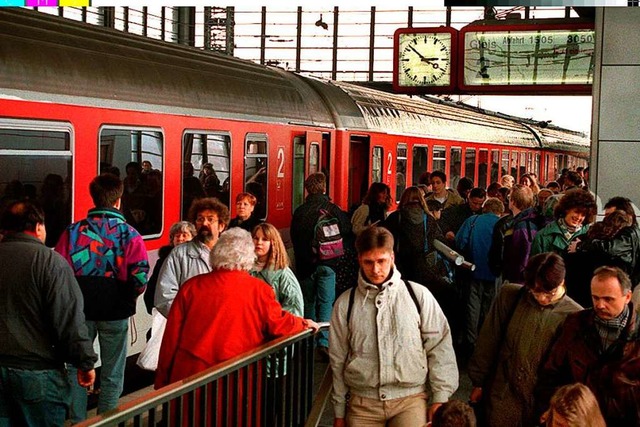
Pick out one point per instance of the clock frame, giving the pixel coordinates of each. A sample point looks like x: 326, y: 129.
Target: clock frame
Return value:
x: 425, y: 60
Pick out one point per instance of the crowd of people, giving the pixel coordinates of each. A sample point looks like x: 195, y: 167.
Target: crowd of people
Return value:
x: 545, y: 322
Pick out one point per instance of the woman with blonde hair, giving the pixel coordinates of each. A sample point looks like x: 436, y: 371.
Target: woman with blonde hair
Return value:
x: 573, y: 405
x: 272, y: 266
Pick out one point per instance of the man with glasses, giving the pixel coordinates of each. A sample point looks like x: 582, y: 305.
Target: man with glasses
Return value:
x: 600, y: 347
x: 211, y: 218
x: 518, y: 331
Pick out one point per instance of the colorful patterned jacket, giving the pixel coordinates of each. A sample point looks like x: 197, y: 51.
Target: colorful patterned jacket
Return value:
x: 110, y: 262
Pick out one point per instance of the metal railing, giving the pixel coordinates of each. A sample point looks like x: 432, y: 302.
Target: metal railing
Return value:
x: 269, y: 386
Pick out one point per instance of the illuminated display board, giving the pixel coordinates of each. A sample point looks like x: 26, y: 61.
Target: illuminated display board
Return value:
x: 424, y: 60
x: 526, y: 58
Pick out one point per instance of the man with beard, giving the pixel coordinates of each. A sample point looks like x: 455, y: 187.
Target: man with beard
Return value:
x: 211, y: 218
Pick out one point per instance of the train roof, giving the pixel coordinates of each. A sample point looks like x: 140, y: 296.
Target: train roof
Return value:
x: 557, y: 138
x: 401, y: 114
x: 48, y: 58
x: 53, y: 59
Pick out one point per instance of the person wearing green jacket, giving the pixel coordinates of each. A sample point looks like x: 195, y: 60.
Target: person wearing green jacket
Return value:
x: 272, y: 266
x: 574, y: 212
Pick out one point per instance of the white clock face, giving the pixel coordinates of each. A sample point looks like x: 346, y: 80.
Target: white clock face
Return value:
x: 424, y: 59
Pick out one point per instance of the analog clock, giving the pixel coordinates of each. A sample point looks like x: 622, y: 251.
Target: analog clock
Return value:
x: 424, y: 59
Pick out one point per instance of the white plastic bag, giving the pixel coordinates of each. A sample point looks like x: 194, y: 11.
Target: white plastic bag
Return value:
x: 148, y: 358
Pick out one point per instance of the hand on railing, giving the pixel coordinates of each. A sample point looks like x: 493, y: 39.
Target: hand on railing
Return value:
x: 308, y: 323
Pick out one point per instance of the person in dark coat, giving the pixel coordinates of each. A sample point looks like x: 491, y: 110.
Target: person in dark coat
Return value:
x: 246, y: 217
x: 317, y: 277
x: 600, y: 347
x: 42, y: 324
x: 453, y: 217
x: 582, y: 263
x: 625, y: 245
x: 518, y: 331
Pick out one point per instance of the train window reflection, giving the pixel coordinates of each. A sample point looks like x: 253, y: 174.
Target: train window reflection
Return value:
x: 401, y: 170
x: 514, y: 164
x: 505, y: 163
x: 314, y: 158
x: 419, y: 164
x: 483, y: 162
x: 455, y: 166
x: 439, y: 159
x: 298, y: 172
x: 208, y: 154
x: 495, y: 164
x: 470, y: 164
x: 256, y: 161
x: 376, y: 165
x: 36, y: 161
x: 136, y: 156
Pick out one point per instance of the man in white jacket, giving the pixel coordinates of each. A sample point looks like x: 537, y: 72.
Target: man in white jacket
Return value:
x: 389, y: 343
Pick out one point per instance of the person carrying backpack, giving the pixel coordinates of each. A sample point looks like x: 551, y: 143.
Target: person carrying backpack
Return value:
x: 319, y: 232
x: 390, y: 345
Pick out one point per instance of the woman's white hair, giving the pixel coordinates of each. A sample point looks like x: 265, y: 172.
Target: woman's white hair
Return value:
x: 234, y: 250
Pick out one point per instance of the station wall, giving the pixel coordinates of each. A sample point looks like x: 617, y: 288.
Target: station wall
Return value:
x: 615, y: 157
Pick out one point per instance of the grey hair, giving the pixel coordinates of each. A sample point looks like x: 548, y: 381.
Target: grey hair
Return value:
x: 234, y: 250
x: 182, y: 226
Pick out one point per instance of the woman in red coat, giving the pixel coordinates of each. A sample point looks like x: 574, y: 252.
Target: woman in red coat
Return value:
x: 222, y: 314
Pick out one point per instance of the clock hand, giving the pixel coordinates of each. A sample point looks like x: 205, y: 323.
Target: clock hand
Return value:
x: 422, y: 58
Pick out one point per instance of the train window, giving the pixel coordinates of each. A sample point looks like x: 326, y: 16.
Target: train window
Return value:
x: 376, y: 165
x: 136, y: 155
x: 523, y: 163
x: 36, y: 161
x: 514, y: 165
x: 505, y: 163
x: 256, y: 161
x: 483, y: 162
x: 455, y: 166
x: 298, y: 172
x: 314, y: 158
x: 536, y: 164
x: 495, y: 164
x: 419, y: 163
x: 439, y: 159
x: 210, y: 149
x: 401, y: 170
x: 470, y: 164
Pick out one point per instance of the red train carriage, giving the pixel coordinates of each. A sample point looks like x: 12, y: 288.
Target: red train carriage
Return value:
x: 76, y: 99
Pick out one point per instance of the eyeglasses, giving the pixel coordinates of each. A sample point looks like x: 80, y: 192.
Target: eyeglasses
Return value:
x: 544, y: 294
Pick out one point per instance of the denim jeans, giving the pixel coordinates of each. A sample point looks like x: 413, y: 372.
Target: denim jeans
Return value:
x: 112, y: 337
x: 34, y: 398
x: 319, y: 293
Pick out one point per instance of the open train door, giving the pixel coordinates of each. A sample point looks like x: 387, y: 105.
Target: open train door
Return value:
x: 358, y: 169
x: 307, y: 159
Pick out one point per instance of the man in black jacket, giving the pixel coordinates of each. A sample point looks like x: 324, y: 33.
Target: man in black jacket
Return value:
x: 42, y: 324
x: 317, y: 277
